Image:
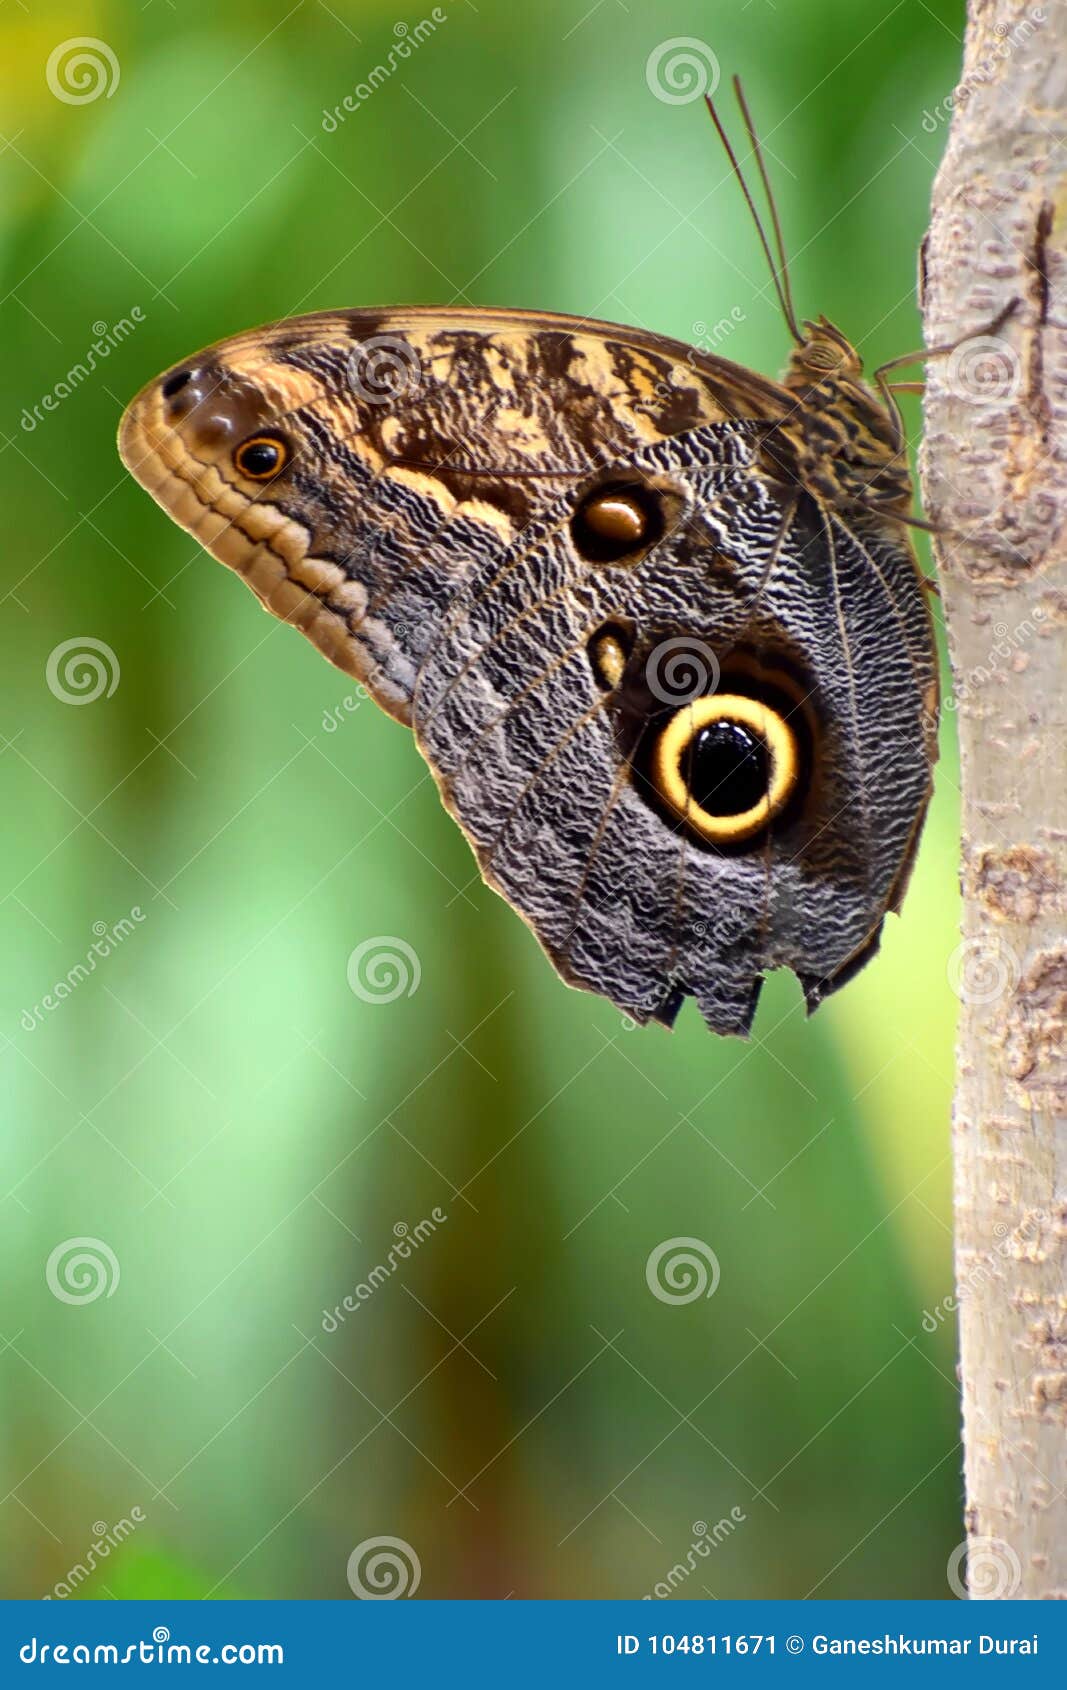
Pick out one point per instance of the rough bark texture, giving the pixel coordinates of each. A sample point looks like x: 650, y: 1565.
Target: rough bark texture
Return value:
x: 995, y: 483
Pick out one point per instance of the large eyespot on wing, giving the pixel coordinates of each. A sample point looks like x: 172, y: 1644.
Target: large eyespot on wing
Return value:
x: 651, y: 862
x: 533, y: 711
x: 497, y: 518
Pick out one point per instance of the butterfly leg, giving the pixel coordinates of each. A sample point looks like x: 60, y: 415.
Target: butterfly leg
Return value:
x: 888, y: 389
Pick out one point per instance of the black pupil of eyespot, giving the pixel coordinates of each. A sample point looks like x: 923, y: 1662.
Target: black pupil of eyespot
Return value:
x: 725, y: 767
x: 260, y: 457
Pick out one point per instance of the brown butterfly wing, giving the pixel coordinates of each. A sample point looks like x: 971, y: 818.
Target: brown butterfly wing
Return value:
x: 421, y: 534
x: 422, y: 443
x: 539, y: 765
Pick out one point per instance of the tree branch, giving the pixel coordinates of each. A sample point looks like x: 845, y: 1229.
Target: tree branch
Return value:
x: 995, y: 484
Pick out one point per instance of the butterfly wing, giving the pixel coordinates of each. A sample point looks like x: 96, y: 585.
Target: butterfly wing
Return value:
x: 419, y: 444
x: 421, y: 529
x: 543, y: 764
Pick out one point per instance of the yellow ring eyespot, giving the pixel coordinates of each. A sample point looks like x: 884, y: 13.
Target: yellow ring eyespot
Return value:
x: 261, y: 457
x: 726, y: 765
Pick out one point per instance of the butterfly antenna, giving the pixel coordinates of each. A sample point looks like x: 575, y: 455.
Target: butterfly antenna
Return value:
x: 778, y: 268
x: 783, y: 274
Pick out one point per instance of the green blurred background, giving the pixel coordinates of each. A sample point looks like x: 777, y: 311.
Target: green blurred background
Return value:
x: 247, y: 1135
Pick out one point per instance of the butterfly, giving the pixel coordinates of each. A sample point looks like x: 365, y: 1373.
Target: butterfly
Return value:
x: 654, y: 620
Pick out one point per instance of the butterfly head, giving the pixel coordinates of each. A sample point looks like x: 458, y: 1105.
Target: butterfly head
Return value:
x: 822, y: 353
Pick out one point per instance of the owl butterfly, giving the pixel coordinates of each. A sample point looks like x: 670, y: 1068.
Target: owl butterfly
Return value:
x: 654, y: 620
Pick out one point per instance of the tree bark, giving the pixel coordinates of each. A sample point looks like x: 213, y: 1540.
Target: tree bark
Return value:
x: 995, y: 486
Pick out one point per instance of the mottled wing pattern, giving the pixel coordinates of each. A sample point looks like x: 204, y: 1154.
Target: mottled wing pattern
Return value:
x: 528, y: 753
x: 421, y: 535
x: 423, y: 444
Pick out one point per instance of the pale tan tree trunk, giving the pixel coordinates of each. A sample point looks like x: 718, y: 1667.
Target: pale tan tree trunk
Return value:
x: 995, y: 483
